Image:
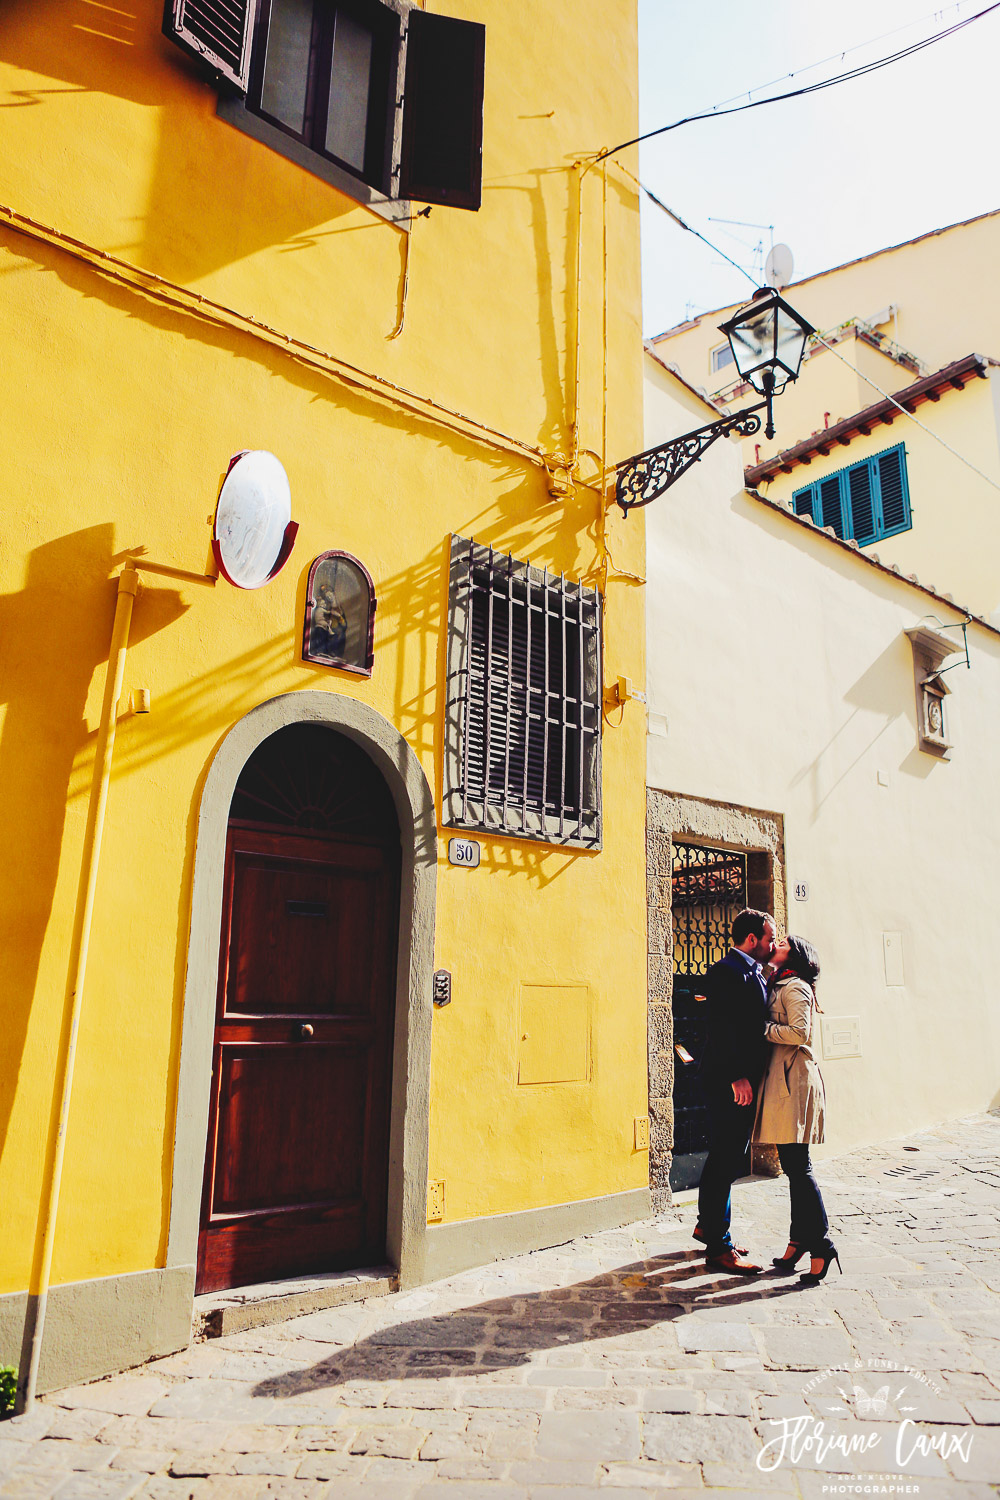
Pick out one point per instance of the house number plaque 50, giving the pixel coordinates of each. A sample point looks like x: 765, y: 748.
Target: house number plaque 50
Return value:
x: 463, y: 852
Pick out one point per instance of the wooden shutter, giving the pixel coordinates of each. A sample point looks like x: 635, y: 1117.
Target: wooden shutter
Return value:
x: 803, y: 501
x: 862, y: 503
x: 502, y: 673
x: 895, y: 500
x: 217, y: 32
x: 443, y: 88
x: 831, y: 510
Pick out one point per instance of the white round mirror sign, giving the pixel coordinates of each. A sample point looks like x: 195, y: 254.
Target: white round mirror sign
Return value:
x: 254, y: 530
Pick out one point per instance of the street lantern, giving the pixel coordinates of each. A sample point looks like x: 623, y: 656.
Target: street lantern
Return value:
x: 768, y: 339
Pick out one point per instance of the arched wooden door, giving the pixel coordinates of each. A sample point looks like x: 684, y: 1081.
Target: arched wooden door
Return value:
x: 298, y: 1141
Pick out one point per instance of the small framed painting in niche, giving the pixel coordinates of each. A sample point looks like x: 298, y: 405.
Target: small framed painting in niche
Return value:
x: 339, y: 629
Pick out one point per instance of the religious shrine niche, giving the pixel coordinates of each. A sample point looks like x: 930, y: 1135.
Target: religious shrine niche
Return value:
x: 934, y: 724
x: 931, y: 648
x: 339, y: 629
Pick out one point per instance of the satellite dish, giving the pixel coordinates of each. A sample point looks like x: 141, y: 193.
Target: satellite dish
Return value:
x: 779, y: 266
x: 254, y: 531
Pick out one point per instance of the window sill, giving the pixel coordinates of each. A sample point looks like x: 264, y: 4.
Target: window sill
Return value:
x: 396, y: 211
x: 534, y: 828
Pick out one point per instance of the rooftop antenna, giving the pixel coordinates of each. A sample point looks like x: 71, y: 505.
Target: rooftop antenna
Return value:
x: 744, y: 224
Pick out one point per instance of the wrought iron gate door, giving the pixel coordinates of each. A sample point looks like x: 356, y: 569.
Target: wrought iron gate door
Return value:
x: 708, y: 888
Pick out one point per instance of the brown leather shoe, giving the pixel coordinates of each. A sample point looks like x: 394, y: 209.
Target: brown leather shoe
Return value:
x: 729, y: 1260
x: 698, y: 1233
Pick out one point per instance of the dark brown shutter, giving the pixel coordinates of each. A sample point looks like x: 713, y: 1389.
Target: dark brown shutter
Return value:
x: 217, y: 32
x: 443, y: 111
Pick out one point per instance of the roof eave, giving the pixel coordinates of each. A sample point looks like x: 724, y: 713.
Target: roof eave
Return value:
x: 930, y: 388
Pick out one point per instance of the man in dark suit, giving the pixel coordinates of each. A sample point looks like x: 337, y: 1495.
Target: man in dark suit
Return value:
x: 732, y: 1067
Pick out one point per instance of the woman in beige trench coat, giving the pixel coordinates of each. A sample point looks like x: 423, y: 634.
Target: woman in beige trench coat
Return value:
x: 792, y: 1103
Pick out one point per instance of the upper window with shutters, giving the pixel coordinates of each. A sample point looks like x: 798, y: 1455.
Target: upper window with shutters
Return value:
x: 380, y: 98
x: 864, y: 502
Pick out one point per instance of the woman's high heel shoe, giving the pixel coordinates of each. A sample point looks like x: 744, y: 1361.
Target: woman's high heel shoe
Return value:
x: 827, y: 1255
x: 789, y: 1262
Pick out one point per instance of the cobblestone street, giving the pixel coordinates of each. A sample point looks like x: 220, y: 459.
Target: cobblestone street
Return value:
x: 611, y: 1363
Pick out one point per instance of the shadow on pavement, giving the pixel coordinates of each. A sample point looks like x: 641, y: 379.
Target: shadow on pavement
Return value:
x: 507, y: 1331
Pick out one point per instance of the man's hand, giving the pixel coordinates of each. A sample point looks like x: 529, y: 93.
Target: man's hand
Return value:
x: 743, y: 1091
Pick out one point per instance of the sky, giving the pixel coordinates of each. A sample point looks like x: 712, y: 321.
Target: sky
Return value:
x: 839, y: 174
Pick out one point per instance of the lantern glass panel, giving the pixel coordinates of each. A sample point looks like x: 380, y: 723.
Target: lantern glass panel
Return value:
x: 753, y: 339
x: 768, y: 339
x: 790, y: 342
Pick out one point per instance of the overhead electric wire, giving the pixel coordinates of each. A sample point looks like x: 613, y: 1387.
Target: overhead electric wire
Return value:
x: 843, y: 52
x: 811, y: 88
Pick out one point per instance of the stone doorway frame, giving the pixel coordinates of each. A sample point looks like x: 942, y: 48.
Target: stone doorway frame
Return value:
x: 410, y: 1095
x: 721, y: 825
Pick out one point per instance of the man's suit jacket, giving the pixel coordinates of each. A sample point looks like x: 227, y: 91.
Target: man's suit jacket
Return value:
x: 737, y: 1013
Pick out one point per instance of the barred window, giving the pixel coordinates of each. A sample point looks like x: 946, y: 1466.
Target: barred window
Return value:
x: 523, y: 718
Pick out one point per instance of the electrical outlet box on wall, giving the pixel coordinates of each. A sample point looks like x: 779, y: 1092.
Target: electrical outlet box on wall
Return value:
x: 841, y: 1036
x: 435, y: 1201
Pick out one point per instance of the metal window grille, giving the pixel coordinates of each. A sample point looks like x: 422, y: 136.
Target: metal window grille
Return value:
x: 708, y: 888
x: 523, y: 722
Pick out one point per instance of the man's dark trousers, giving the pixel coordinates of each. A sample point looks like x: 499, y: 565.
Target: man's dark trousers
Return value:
x: 730, y: 1126
x: 735, y: 1049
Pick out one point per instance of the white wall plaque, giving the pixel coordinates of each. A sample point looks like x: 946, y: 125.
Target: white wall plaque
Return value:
x: 802, y: 890
x: 892, y: 954
x: 841, y: 1036
x: 463, y: 852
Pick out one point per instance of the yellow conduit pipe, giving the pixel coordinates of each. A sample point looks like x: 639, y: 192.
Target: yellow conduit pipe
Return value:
x: 217, y: 314
x: 41, y: 1271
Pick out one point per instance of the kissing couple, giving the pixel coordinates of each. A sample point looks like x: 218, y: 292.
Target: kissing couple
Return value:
x: 762, y: 1083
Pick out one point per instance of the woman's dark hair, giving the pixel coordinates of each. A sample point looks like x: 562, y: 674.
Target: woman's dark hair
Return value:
x: 802, y: 958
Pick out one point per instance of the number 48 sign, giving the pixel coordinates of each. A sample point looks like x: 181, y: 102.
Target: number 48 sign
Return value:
x: 463, y: 852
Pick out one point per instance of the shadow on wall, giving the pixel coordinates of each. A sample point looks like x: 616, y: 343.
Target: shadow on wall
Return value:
x: 56, y: 633
x: 876, y: 702
x: 884, y: 692
x: 78, y: 47
x: 559, y: 313
x: 189, y: 229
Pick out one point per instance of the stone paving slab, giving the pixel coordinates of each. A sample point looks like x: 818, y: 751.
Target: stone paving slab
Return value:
x: 616, y: 1365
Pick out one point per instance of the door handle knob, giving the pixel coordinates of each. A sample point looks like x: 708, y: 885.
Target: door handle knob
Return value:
x: 305, y: 1031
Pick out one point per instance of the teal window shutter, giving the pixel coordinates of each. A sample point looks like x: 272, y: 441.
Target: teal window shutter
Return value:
x: 894, y: 496
x: 860, y: 492
x: 803, y: 501
x: 863, y: 502
x: 831, y: 507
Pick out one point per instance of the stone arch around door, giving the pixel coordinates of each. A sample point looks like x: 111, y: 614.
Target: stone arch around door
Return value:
x: 761, y: 836
x: 398, y: 765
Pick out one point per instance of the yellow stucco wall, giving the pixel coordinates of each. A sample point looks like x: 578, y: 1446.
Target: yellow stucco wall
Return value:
x: 119, y: 418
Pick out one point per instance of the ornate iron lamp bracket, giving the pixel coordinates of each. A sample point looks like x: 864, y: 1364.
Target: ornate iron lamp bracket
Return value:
x: 642, y: 478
